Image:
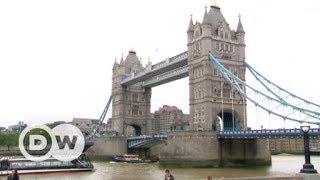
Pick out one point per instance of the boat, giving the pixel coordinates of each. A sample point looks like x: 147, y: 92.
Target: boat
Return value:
x: 129, y: 158
x: 51, y: 165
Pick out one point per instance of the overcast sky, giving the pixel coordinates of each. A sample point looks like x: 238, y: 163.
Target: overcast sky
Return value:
x: 56, y: 56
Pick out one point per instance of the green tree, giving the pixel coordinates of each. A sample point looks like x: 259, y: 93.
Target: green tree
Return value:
x: 9, y: 140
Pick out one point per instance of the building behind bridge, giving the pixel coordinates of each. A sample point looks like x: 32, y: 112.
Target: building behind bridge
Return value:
x: 168, y: 118
x: 288, y: 145
x: 86, y: 125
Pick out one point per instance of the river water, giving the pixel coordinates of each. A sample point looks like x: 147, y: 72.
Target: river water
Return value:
x: 282, y: 165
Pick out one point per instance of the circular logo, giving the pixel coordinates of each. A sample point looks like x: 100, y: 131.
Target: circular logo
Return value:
x: 67, y: 142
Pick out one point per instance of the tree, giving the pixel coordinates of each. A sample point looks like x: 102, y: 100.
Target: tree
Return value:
x: 9, y: 140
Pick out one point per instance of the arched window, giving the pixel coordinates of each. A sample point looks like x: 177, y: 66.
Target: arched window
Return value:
x: 226, y: 35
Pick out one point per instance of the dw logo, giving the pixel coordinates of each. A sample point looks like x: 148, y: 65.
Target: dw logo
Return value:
x: 67, y: 142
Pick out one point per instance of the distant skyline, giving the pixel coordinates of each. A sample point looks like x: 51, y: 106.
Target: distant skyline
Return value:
x: 56, y: 57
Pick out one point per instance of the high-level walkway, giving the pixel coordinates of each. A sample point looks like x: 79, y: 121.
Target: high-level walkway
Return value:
x: 165, y: 71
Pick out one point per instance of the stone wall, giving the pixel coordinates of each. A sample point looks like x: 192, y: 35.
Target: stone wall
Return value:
x: 240, y: 152
x: 191, y: 149
x: 107, y: 147
x: 204, y: 149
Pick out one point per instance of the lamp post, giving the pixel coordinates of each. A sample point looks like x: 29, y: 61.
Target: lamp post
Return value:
x: 307, y: 167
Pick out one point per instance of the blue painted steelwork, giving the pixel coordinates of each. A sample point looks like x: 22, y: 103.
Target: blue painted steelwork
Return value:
x: 145, y: 141
x: 267, y: 133
x: 285, y: 94
x: 148, y: 141
x: 95, y: 131
x: 235, y: 82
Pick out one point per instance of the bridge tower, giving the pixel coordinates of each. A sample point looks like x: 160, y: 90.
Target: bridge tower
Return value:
x: 212, y: 100
x: 131, y: 104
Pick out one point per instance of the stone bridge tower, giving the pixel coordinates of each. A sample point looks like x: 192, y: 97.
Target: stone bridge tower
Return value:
x: 212, y: 100
x: 130, y: 104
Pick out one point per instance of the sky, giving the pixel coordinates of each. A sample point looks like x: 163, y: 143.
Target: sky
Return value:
x: 56, y: 57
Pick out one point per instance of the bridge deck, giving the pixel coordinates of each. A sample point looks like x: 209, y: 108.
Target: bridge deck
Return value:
x: 162, y: 67
x: 146, y: 141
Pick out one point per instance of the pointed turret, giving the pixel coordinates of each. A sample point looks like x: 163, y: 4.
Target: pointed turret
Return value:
x: 240, y: 27
x: 190, y: 30
x: 206, y: 25
x: 121, y: 61
x: 132, y: 62
x: 205, y: 17
x: 115, y: 64
x: 191, y: 25
x: 240, y: 35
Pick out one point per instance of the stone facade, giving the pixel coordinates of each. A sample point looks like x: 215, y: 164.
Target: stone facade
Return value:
x: 168, y: 118
x: 130, y: 104
x: 106, y: 147
x: 204, y: 149
x: 191, y: 149
x: 211, y: 97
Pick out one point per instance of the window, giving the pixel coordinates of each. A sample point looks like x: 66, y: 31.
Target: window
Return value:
x: 135, y: 109
x: 135, y: 97
x: 226, y: 92
x: 221, y: 34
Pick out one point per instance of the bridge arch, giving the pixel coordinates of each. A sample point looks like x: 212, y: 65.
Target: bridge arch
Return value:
x: 133, y: 130
x: 230, y: 120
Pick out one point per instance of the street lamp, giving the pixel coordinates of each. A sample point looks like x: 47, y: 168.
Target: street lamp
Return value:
x: 307, y: 167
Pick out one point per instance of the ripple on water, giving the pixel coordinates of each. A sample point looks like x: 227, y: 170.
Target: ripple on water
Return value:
x: 282, y: 165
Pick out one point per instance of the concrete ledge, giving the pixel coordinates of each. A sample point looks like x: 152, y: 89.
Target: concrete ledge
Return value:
x: 309, y: 176
x: 265, y: 178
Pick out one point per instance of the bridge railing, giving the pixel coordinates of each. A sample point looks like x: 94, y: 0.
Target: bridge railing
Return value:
x: 147, y: 137
x: 166, y: 75
x: 265, y: 133
x: 143, y: 140
x: 168, y: 61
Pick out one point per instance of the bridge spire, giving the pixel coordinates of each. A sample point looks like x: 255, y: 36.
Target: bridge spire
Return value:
x: 121, y: 61
x: 205, y: 17
x: 191, y: 25
x: 240, y: 27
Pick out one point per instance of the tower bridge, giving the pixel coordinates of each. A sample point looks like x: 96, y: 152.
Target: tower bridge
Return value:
x: 211, y: 97
x: 218, y: 94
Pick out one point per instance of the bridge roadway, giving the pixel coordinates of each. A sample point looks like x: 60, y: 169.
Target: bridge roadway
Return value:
x: 148, y: 141
x: 170, y: 69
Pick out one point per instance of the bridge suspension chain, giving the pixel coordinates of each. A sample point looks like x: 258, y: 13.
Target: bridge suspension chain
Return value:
x: 284, y: 95
x: 235, y: 82
x: 95, y: 131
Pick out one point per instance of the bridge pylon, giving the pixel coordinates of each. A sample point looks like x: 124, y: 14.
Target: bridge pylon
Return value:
x: 131, y: 104
x: 214, y: 105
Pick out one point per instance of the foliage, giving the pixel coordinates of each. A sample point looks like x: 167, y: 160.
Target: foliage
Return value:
x: 9, y: 139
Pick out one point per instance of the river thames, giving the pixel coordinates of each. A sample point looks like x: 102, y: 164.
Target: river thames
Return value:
x: 282, y: 165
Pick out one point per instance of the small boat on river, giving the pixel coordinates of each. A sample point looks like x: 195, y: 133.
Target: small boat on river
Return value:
x: 129, y: 158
